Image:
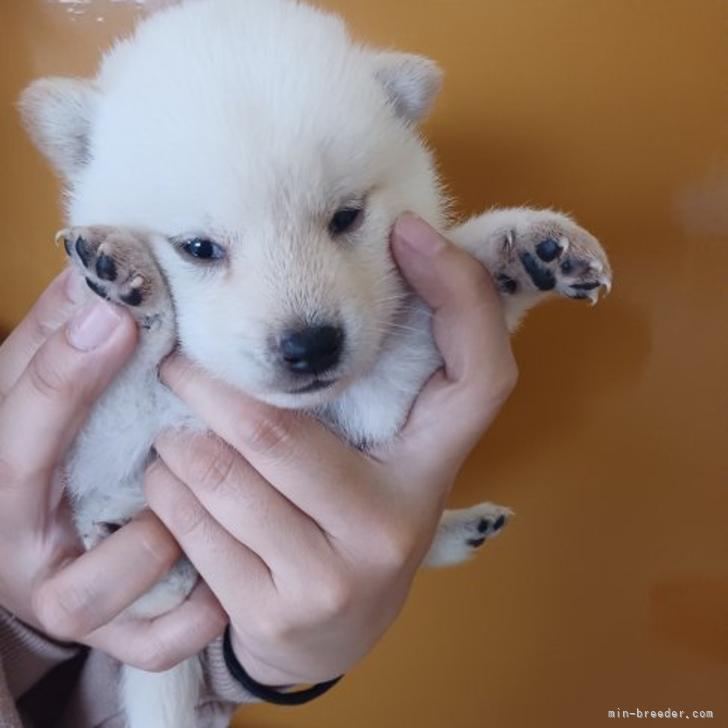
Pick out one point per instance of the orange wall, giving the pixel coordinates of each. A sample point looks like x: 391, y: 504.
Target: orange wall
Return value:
x: 610, y: 589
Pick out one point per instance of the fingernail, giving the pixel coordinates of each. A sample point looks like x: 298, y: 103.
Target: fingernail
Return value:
x: 93, y: 325
x: 417, y: 235
x: 75, y: 286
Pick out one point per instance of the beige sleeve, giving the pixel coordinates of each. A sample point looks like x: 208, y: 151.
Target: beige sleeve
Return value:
x: 219, y: 683
x: 8, y: 715
x: 27, y: 655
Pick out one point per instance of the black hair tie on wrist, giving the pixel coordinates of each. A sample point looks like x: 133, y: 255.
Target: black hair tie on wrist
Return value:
x: 263, y: 692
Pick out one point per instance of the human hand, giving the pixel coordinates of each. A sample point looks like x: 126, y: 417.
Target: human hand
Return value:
x: 309, y: 545
x: 52, y: 368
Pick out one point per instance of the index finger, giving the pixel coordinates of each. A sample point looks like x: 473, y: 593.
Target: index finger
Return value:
x: 297, y: 455
x: 83, y: 594
x: 51, y: 310
x: 161, y: 642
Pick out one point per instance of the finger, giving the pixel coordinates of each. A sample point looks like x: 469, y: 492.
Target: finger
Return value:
x: 241, y: 501
x: 237, y: 576
x: 159, y: 644
x: 470, y: 332
x: 305, y: 461
x: 94, y: 588
x: 47, y: 405
x: 50, y: 312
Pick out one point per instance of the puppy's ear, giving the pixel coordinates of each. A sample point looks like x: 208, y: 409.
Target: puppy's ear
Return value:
x: 412, y: 82
x: 58, y: 113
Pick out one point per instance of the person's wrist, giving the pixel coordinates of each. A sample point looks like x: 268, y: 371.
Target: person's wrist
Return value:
x: 255, y: 668
x: 279, y: 694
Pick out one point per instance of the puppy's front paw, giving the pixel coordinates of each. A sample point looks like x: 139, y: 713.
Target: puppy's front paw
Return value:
x: 552, y: 253
x: 462, y: 532
x: 118, y: 265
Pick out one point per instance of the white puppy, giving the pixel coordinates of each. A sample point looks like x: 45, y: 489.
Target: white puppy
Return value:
x: 247, y: 161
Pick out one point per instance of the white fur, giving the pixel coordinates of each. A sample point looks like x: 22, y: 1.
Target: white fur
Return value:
x: 250, y: 122
x: 157, y: 700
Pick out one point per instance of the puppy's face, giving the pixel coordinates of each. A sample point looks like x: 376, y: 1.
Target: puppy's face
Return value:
x: 287, y: 289
x: 273, y: 155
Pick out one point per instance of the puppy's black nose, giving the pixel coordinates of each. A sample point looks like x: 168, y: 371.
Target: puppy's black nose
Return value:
x: 312, y: 350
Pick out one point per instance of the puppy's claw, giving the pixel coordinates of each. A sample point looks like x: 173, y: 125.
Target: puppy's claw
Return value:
x: 63, y: 237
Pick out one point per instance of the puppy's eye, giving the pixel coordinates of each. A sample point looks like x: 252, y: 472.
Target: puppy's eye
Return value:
x: 345, y: 219
x: 203, y: 249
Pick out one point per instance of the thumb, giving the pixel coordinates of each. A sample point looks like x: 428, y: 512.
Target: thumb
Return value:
x: 51, y: 398
x: 469, y: 329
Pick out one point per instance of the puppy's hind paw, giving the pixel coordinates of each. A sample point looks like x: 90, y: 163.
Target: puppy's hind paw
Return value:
x: 462, y: 532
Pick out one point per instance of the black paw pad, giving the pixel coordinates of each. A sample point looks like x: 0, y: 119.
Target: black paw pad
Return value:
x: 499, y: 523
x: 133, y: 298
x: 84, y: 251
x: 586, y: 286
x: 484, y: 525
x: 542, y: 278
x: 548, y: 250
x: 106, y: 268
x: 506, y: 284
x: 97, y: 289
x: 476, y: 542
x: 67, y: 246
